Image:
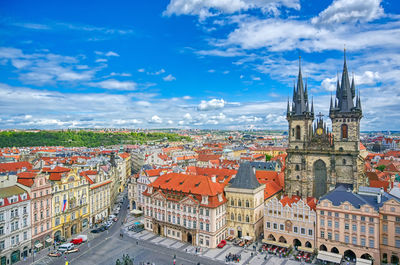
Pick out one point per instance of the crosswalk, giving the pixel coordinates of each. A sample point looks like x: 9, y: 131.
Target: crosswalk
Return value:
x: 217, y: 254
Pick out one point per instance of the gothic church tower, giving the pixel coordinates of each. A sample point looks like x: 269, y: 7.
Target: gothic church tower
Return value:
x: 317, y: 159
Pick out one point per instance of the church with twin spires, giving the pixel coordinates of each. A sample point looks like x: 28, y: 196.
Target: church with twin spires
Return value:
x: 319, y: 158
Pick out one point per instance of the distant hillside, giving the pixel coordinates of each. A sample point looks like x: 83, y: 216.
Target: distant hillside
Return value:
x: 82, y: 138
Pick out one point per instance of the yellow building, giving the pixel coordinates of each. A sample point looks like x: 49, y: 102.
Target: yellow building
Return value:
x: 70, y: 204
x: 270, y: 150
x: 245, y: 205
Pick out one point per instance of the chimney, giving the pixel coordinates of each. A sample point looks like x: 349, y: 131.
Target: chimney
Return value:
x: 214, y: 178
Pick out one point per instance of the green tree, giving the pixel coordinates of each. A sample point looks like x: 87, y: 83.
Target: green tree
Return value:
x: 268, y: 157
x: 381, y: 168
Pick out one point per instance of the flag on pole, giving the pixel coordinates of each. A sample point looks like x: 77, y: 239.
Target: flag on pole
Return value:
x: 64, y: 205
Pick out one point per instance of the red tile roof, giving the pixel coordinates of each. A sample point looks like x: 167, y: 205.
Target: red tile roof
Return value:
x: 15, y: 166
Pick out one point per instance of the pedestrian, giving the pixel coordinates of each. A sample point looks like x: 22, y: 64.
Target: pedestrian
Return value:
x: 174, y: 261
x: 137, y: 243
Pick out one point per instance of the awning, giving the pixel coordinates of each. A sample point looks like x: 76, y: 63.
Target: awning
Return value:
x: 309, y: 250
x: 49, y: 240
x: 361, y: 261
x: 135, y: 211
x: 329, y: 256
x: 38, y: 245
x: 247, y: 238
x: 276, y: 243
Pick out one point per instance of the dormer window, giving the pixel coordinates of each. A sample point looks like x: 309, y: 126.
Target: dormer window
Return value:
x: 150, y: 190
x: 204, y: 199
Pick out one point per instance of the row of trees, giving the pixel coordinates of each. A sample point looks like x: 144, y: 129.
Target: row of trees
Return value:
x: 82, y: 138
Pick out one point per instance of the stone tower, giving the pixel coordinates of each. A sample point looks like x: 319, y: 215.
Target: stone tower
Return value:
x: 318, y: 159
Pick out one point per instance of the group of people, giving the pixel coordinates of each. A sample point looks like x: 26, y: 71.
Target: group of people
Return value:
x: 233, y: 257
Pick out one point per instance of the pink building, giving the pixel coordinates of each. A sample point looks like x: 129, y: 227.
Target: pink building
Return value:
x: 41, y: 211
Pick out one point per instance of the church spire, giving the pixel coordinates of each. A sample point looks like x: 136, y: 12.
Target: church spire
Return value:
x: 312, y: 106
x: 331, y: 105
x: 353, y: 88
x: 288, y: 108
x: 344, y: 91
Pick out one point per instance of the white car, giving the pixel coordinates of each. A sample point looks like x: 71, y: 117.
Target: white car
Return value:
x: 65, y: 247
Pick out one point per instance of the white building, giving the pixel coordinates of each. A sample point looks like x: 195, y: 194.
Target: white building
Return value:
x: 15, y: 224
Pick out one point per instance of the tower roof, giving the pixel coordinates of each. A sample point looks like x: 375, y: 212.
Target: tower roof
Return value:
x: 245, y: 178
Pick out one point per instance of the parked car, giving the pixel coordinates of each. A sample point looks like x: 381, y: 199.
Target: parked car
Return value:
x: 54, y: 254
x: 84, y: 237
x: 221, y: 244
x: 72, y: 251
x: 76, y: 241
x: 65, y: 247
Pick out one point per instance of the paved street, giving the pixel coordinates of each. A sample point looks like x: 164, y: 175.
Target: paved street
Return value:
x: 107, y: 247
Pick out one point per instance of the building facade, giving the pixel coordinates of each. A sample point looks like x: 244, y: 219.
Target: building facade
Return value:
x: 70, y: 202
x: 190, y: 208
x: 389, y: 216
x: 290, y: 220
x: 348, y: 223
x: 15, y: 224
x: 317, y: 159
x: 245, y: 207
x: 41, y: 211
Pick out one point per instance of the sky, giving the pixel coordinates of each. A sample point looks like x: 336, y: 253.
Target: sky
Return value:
x: 218, y: 64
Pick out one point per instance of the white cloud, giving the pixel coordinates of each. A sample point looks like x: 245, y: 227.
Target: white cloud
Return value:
x: 207, y: 8
x: 187, y: 116
x: 169, y: 78
x: 368, y: 77
x: 187, y: 97
x: 329, y: 84
x: 143, y: 103
x: 111, y: 53
x: 212, y: 104
x: 211, y: 71
x: 344, y: 11
x: 115, y: 85
x: 141, y: 70
x: 156, y: 119
x: 101, y: 60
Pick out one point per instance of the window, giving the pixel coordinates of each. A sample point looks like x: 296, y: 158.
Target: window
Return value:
x: 239, y: 203
x: 232, y: 216
x: 336, y: 224
x: 247, y: 219
x: 384, y: 217
x: 371, y: 219
x: 232, y: 202
x: 1, y: 230
x: 371, y: 229
x: 344, y: 131
x: 354, y: 240
x: 1, y: 216
x: 363, y: 218
x: 295, y: 229
x: 397, y: 229
x: 268, y: 224
x: 397, y: 243
x: 363, y: 229
x: 303, y: 231
x: 346, y: 226
x: 322, y: 212
x: 282, y: 227
x: 329, y: 223
x: 329, y: 235
x: 298, y: 132
x: 363, y: 242
x: 2, y: 244
x: 346, y: 216
x: 194, y: 224
x: 297, y: 167
x: 322, y: 222
x: 25, y: 235
x: 336, y: 214
x: 207, y: 227
x: 336, y: 237
x: 354, y: 227
x: 397, y: 219
x: 371, y: 243
x: 275, y: 226
x: 207, y: 212
x: 310, y: 232
x: 354, y: 217
x: 322, y: 234
x: 201, y: 226
x: 385, y: 240
x: 346, y: 239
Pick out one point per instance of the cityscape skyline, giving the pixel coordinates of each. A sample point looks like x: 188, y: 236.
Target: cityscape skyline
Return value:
x: 190, y: 64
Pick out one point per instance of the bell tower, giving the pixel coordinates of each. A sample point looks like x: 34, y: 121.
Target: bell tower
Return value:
x: 300, y: 118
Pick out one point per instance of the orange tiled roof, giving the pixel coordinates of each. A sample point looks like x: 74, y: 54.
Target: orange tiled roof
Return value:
x: 15, y: 166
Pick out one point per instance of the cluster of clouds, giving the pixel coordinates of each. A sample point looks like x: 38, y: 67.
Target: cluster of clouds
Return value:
x: 262, y: 39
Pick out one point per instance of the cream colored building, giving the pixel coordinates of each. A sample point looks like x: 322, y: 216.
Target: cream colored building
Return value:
x: 99, y: 195
x: 290, y: 220
x: 190, y: 208
x: 245, y: 207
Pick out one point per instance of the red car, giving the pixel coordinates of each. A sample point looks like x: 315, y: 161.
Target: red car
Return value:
x: 77, y: 241
x: 222, y: 244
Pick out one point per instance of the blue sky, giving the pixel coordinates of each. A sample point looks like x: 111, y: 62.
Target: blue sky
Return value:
x: 226, y: 64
